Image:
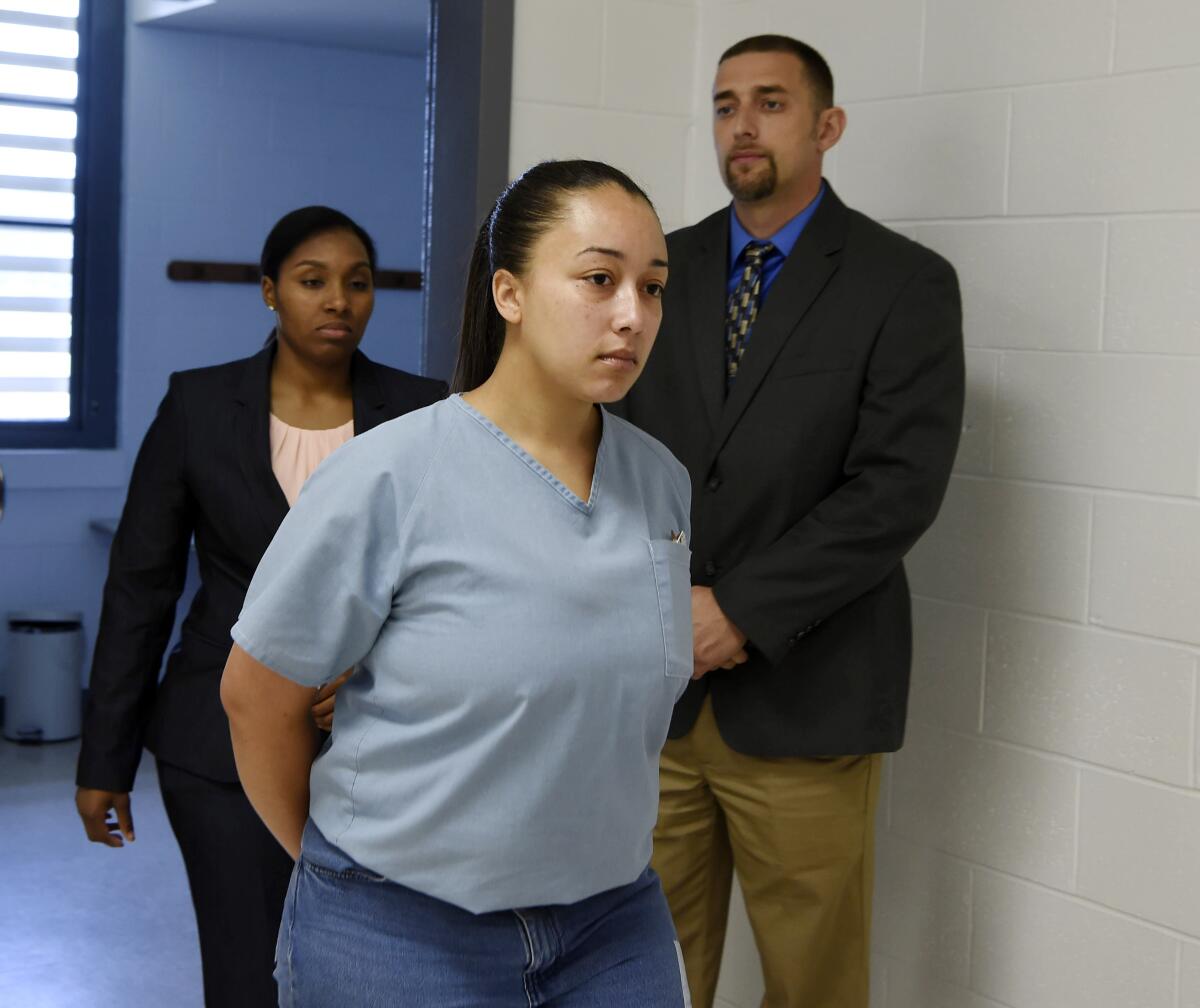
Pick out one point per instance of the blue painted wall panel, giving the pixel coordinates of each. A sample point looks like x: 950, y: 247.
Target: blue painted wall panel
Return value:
x: 223, y: 135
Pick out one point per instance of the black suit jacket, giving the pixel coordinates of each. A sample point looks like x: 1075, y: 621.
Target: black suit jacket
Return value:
x: 815, y: 476
x: 204, y: 470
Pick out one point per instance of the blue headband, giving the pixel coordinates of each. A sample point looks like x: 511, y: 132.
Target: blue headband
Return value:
x: 496, y: 208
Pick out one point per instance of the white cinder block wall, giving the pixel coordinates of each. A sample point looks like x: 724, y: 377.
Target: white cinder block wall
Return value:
x: 610, y: 80
x: 1039, y: 841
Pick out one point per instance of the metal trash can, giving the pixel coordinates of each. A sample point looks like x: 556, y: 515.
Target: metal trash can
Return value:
x: 45, y: 659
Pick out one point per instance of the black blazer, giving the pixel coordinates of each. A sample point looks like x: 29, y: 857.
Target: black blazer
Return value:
x: 204, y: 470
x: 815, y: 476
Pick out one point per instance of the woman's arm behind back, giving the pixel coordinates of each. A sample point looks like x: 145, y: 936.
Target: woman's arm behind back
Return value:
x: 274, y: 743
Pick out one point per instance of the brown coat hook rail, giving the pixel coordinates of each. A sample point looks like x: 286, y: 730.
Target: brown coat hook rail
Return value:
x: 190, y: 271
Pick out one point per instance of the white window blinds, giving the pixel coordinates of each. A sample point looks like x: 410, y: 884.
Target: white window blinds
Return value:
x: 39, y: 45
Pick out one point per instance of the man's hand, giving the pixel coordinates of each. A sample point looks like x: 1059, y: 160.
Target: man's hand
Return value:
x: 716, y: 642
x: 94, y: 805
x: 324, y: 700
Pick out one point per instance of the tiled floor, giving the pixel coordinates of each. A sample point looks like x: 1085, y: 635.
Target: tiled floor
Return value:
x: 82, y: 924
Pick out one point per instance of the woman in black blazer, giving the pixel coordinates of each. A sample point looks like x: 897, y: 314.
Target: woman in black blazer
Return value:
x: 205, y: 470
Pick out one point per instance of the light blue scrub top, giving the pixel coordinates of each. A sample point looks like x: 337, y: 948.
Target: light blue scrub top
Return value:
x: 519, y: 651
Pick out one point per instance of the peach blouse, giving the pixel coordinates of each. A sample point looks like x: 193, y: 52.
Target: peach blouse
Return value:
x: 296, y: 453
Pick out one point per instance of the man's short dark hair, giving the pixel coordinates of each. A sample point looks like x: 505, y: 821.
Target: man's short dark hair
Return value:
x: 820, y: 77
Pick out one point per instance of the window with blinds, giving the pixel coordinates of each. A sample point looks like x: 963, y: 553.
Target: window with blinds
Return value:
x: 39, y: 46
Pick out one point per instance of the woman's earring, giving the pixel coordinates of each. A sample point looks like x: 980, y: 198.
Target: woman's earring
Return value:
x: 270, y: 307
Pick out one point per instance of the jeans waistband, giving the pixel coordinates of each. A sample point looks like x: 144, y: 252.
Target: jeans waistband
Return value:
x: 318, y: 850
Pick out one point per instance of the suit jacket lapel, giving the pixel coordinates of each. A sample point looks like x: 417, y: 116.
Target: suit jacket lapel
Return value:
x: 370, y: 401
x: 707, y: 279
x: 252, y: 432
x: 252, y: 427
x: 813, y: 260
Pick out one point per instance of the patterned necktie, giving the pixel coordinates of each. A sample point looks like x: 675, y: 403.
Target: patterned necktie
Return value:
x: 743, y: 307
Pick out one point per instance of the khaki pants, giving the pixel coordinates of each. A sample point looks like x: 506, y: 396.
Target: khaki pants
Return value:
x: 800, y: 834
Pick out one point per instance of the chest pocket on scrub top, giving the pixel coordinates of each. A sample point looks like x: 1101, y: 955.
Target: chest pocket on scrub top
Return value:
x: 671, y: 562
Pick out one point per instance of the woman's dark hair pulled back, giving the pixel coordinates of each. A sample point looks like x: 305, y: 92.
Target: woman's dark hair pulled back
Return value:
x: 530, y: 205
x: 293, y: 229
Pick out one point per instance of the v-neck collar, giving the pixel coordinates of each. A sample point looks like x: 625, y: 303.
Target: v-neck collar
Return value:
x: 588, y: 506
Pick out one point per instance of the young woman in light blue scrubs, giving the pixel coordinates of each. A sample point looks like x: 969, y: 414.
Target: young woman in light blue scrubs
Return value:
x: 508, y: 570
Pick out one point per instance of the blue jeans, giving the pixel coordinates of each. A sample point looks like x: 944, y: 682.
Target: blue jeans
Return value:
x: 353, y: 939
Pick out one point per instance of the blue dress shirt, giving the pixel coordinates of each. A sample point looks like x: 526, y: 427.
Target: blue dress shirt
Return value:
x: 783, y: 240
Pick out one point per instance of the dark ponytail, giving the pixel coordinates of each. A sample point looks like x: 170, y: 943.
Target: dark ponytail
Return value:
x: 530, y: 205
x: 481, y: 336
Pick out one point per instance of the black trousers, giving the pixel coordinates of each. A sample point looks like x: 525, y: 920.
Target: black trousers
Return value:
x: 238, y: 875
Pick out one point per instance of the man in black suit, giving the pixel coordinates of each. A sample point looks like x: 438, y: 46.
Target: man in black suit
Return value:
x: 809, y: 373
